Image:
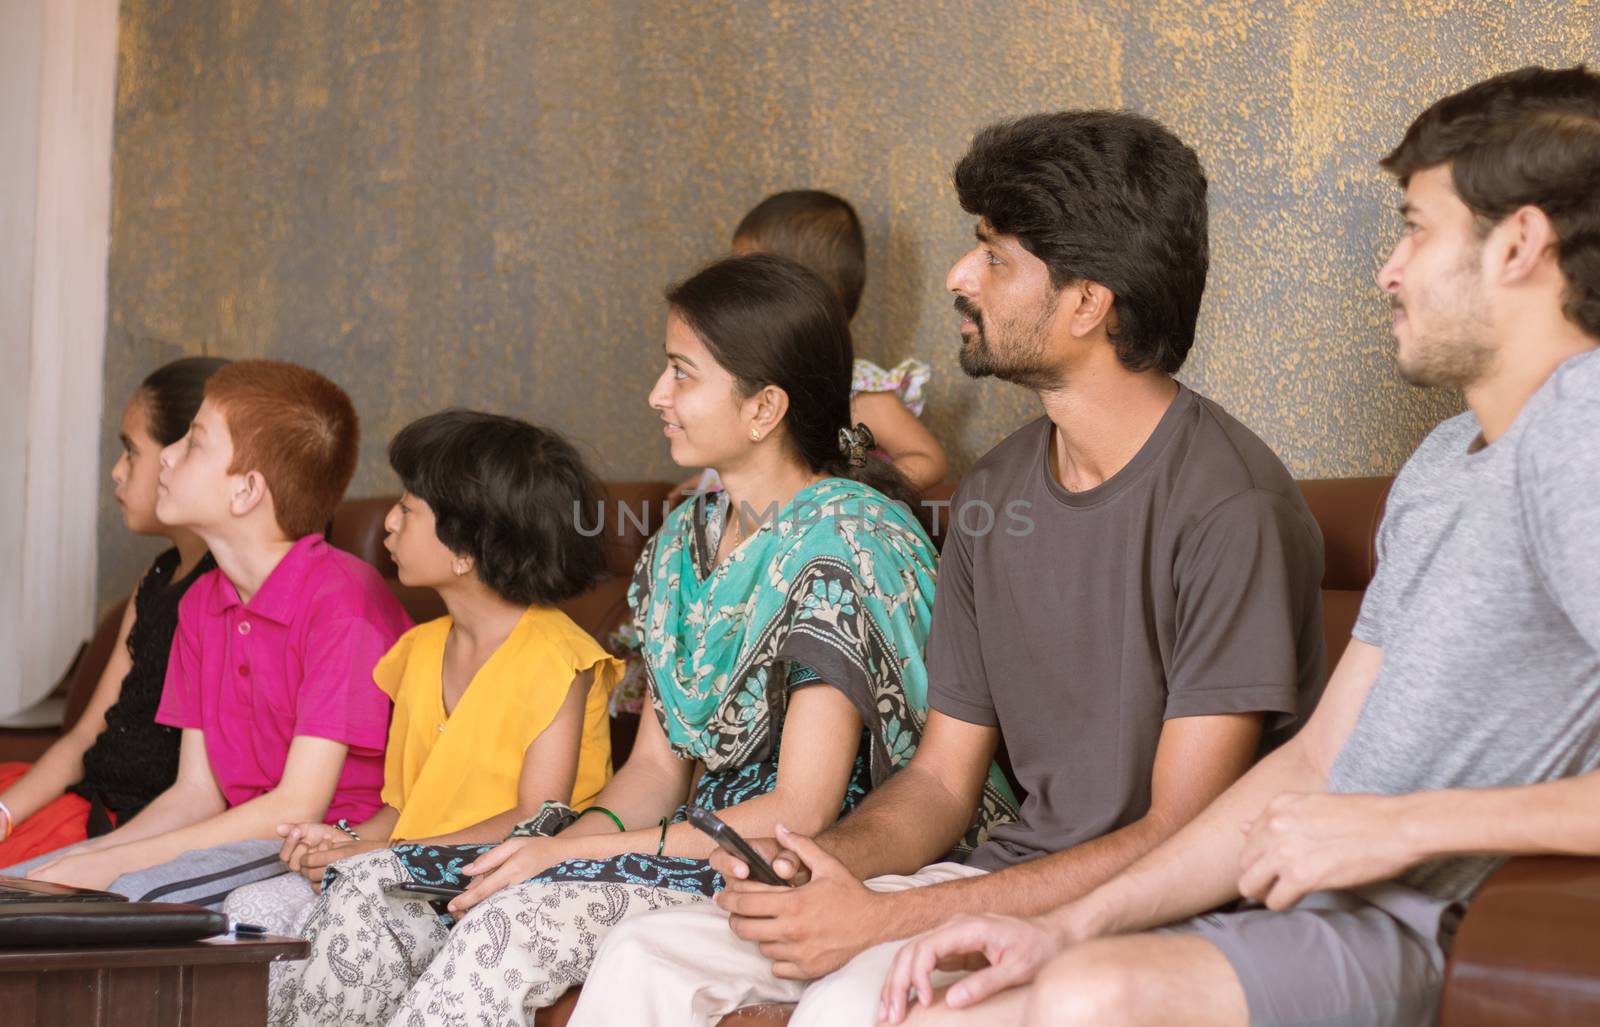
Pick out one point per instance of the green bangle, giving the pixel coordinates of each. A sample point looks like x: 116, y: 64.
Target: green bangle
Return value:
x: 662, y: 844
x: 601, y: 809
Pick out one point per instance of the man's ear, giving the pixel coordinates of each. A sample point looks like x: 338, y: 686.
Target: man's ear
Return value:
x: 1088, y: 307
x: 1518, y: 245
x: 249, y: 492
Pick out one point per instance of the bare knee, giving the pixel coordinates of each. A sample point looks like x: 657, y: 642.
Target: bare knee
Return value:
x: 1083, y: 986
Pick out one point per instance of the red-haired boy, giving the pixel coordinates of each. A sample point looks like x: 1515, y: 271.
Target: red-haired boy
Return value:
x: 271, y: 669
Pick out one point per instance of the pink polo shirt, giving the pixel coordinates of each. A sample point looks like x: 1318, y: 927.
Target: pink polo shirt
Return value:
x: 296, y: 660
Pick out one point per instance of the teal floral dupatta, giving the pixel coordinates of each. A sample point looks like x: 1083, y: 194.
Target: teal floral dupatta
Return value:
x: 839, y: 583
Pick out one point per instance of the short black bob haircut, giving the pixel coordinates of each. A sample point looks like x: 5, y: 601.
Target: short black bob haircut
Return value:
x: 1104, y: 196
x: 509, y: 495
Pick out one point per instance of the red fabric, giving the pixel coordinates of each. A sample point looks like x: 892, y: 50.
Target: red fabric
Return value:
x: 61, y: 823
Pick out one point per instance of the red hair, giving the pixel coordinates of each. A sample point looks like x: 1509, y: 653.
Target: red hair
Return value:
x: 297, y: 429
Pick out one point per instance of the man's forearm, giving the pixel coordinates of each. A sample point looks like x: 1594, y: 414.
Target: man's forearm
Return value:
x: 1554, y: 817
x: 1027, y: 889
x: 1198, y: 867
x: 903, y: 825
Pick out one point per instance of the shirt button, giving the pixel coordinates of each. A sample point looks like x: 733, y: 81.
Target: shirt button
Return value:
x: 244, y: 627
x: 244, y: 670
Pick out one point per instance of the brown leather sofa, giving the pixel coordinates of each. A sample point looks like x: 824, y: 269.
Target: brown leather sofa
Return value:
x: 1528, y: 953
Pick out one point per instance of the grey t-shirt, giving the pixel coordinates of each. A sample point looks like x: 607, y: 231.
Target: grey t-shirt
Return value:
x: 1486, y: 605
x: 1187, y: 584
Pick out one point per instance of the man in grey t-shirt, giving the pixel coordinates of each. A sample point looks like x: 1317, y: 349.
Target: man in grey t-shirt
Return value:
x: 1464, y: 718
x: 1129, y: 595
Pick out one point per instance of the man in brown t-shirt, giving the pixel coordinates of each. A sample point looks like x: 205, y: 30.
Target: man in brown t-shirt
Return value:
x: 1129, y: 597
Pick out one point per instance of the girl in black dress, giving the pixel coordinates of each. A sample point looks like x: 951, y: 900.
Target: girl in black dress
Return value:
x: 117, y: 758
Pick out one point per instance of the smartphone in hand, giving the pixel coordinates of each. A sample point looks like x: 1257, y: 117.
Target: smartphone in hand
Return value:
x: 732, y: 843
x: 436, y: 895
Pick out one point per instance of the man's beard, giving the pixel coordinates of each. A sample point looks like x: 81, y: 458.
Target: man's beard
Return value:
x: 1455, y: 353
x: 1028, y: 366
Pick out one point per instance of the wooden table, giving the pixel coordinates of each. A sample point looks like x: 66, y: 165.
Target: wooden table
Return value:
x: 220, y: 981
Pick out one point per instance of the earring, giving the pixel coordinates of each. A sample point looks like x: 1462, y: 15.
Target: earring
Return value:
x: 755, y: 435
x: 461, y: 567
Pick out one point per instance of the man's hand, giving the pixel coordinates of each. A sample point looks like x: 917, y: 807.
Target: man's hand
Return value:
x: 736, y: 872
x: 80, y: 869
x: 808, y: 931
x: 1306, y: 842
x: 1004, y: 951
x: 511, y: 862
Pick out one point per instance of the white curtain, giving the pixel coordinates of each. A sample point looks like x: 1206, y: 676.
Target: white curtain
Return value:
x: 57, y: 97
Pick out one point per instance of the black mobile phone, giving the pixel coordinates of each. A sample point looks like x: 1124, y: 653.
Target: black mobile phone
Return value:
x: 439, y: 894
x: 730, y: 842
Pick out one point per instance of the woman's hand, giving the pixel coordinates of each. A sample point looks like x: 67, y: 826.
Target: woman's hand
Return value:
x: 314, y: 863
x: 299, y: 840
x: 511, y: 862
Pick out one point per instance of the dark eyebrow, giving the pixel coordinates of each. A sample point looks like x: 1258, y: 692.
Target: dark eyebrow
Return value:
x: 1407, y: 209
x: 679, y: 356
x: 127, y: 443
x: 983, y: 234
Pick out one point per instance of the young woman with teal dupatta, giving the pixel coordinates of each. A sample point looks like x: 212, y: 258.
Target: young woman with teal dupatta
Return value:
x: 783, y: 620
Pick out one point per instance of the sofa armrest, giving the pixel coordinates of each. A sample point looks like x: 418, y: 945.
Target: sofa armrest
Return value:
x: 1528, y: 950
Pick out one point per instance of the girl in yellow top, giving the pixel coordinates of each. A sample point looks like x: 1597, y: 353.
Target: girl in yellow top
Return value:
x: 500, y: 706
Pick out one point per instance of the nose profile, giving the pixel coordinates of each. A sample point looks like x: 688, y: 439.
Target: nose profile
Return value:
x: 1388, y: 276
x: 959, y: 278
x: 658, y: 392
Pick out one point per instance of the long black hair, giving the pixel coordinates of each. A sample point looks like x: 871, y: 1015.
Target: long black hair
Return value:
x: 768, y: 320
x: 172, y: 393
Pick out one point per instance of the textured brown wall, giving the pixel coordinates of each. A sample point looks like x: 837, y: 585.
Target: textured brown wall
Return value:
x: 478, y: 203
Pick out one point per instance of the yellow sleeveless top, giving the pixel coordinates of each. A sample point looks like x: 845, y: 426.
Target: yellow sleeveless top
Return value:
x: 447, y: 773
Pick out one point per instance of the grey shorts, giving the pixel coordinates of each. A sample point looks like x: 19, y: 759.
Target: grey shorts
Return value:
x: 203, y: 877
x: 1370, y: 957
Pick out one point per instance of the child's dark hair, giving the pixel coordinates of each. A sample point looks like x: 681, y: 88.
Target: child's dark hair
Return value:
x: 509, y: 495
x: 172, y: 393
x: 767, y: 320
x: 818, y: 230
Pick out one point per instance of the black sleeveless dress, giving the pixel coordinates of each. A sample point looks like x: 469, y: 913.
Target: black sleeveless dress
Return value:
x: 135, y: 759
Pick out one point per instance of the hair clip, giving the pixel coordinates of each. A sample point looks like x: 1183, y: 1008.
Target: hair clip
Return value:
x: 855, y: 443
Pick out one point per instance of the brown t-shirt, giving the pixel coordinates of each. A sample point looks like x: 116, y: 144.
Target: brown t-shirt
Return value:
x: 1187, y: 584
